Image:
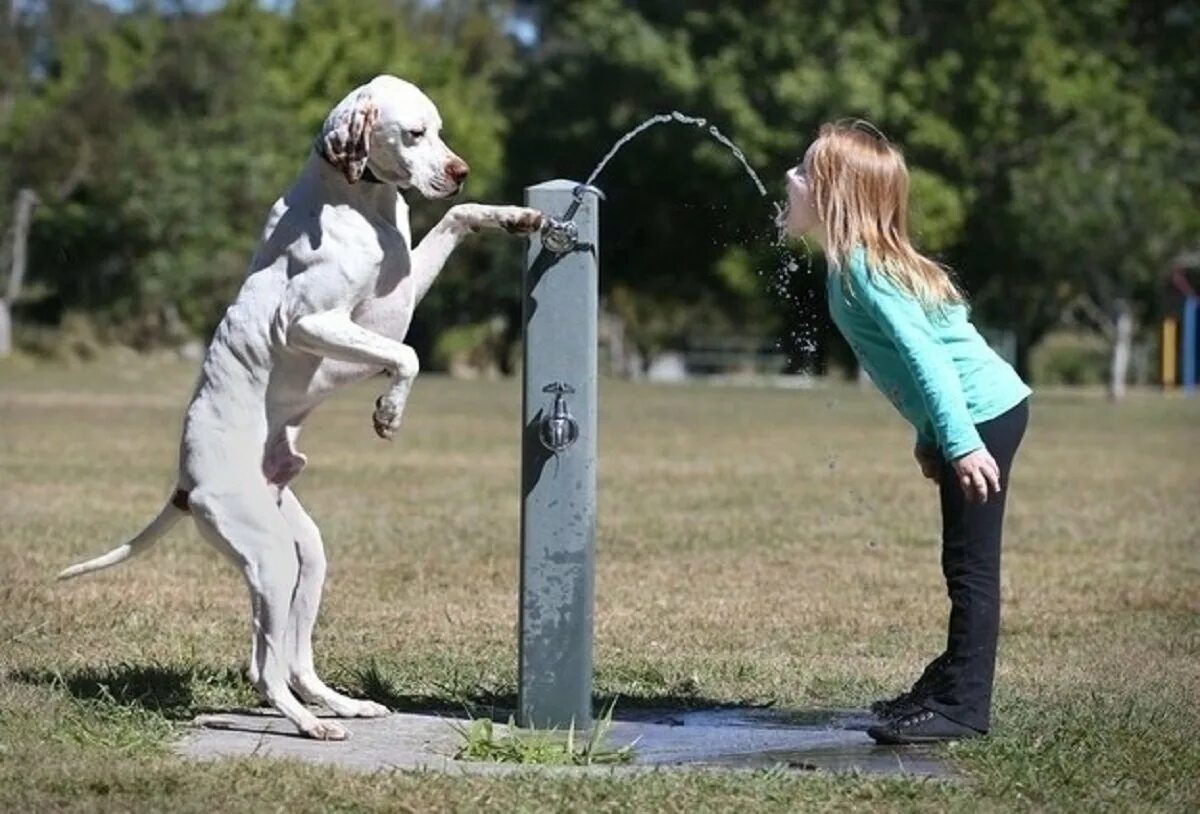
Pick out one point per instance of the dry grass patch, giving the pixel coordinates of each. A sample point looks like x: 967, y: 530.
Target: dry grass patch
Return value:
x: 754, y: 545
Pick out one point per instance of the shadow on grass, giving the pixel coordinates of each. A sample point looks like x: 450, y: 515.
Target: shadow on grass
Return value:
x: 458, y: 699
x: 670, y: 706
x: 181, y: 692
x: 176, y: 692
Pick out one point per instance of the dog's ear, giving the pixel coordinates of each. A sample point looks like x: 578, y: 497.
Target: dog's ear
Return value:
x: 346, y: 137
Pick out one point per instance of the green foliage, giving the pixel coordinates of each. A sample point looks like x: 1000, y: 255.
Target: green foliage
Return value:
x: 1070, y: 358
x: 992, y: 101
x: 477, y: 346
x: 1108, y: 204
x: 158, y: 141
x: 1052, y: 145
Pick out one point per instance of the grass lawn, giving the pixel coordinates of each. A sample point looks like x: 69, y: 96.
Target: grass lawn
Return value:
x: 755, y: 545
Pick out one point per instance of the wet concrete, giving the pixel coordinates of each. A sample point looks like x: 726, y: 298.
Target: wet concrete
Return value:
x: 832, y: 740
x: 714, y: 739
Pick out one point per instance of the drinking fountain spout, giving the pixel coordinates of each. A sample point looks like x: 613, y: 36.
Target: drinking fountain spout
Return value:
x: 561, y: 235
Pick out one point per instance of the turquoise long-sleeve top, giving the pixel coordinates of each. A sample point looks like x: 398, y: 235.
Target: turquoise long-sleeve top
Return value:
x: 933, y: 366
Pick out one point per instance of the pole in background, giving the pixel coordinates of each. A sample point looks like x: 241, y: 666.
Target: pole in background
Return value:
x: 1170, y: 340
x: 1191, y: 307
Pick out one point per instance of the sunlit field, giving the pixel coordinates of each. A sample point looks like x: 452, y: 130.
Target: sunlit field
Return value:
x: 755, y: 546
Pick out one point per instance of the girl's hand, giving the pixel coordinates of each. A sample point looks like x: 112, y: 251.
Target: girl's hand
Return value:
x: 978, y: 475
x: 929, y: 461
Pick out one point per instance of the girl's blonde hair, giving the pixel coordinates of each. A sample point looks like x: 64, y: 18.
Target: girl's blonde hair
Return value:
x: 859, y: 185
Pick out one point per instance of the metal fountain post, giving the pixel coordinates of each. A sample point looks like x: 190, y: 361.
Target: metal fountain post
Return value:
x: 558, y: 459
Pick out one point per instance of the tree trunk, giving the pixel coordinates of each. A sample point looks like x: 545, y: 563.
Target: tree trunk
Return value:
x: 27, y: 199
x: 1122, y: 346
x: 5, y: 330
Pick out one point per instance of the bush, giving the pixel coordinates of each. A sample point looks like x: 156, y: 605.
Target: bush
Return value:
x: 74, y: 339
x: 469, y: 351
x: 1070, y: 358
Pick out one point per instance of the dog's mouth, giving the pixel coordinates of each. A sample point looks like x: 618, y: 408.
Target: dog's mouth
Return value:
x: 441, y: 188
x: 447, y: 189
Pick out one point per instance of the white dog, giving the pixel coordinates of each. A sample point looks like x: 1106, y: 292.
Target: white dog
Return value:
x: 328, y: 301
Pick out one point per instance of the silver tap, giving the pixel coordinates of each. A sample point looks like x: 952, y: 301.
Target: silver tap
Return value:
x: 558, y: 429
x: 561, y: 235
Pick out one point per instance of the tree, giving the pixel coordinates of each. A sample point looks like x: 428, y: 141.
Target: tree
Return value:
x: 687, y: 229
x: 1107, y: 204
x: 197, y: 121
x: 17, y: 242
x: 1048, y: 93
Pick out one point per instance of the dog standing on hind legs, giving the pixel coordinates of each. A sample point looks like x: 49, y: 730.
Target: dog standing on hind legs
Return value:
x: 328, y: 301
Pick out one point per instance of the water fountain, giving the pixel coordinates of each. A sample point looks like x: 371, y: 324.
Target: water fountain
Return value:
x: 558, y: 449
x: 558, y: 525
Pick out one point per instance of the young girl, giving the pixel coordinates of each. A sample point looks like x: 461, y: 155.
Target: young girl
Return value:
x: 907, y: 324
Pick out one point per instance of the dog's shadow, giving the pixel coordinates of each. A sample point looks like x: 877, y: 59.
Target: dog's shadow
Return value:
x: 176, y: 692
x: 182, y: 693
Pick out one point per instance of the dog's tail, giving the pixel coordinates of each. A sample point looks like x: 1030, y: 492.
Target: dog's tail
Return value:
x: 175, y: 508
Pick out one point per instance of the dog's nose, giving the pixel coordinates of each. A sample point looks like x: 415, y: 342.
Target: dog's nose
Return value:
x: 457, y: 170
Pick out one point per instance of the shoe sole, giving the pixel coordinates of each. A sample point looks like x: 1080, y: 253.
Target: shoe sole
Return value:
x: 901, y: 740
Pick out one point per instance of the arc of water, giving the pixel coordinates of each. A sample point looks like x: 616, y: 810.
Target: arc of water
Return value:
x: 681, y: 118
x: 780, y: 282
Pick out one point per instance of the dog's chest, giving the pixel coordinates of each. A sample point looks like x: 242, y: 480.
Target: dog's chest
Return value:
x: 395, y: 264
x: 388, y: 310
x: 387, y: 316
x: 390, y: 297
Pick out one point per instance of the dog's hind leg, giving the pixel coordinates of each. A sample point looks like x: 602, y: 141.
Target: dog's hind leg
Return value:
x: 302, y: 616
x: 245, y: 523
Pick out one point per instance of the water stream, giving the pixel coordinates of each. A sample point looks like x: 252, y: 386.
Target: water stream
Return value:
x: 801, y: 341
x: 681, y: 118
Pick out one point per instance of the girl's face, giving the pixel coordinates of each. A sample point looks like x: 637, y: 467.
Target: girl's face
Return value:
x: 800, y: 219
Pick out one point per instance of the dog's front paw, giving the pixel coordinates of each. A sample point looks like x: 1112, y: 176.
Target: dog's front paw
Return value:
x: 520, y: 220
x: 387, y: 417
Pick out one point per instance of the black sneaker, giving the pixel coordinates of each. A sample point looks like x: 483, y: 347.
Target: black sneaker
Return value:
x: 910, y: 700
x: 907, y: 701
x: 922, y: 726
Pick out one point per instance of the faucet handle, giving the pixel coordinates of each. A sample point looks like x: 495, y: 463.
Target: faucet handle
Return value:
x: 559, y: 236
x: 558, y: 429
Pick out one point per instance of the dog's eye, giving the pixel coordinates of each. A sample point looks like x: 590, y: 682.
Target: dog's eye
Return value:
x: 415, y: 135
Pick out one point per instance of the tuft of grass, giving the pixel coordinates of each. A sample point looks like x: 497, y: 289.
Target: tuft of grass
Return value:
x: 543, y: 747
x: 116, y: 729
x: 1088, y: 746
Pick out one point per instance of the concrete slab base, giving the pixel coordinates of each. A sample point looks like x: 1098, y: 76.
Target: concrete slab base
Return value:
x: 731, y: 739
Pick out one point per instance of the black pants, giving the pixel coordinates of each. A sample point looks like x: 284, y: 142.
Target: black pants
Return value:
x: 971, y: 564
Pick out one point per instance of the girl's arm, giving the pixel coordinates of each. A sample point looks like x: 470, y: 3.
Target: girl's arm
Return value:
x: 903, y: 320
